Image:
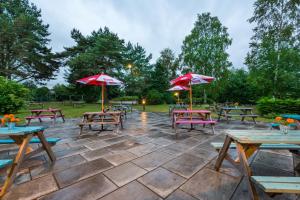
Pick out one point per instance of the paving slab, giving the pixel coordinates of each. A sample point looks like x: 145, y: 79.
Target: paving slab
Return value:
x: 119, y: 157
x: 124, y: 174
x: 82, y: 171
x: 70, y: 152
x: 98, y: 144
x: 180, y: 195
x: 186, y: 165
x: 32, y: 189
x: 144, y: 149
x: 202, y: 153
x: 127, y: 144
x: 153, y: 160
x: 209, y: 184
x: 92, y: 188
x: 95, y: 154
x: 132, y: 191
x: 162, y: 141
x: 162, y: 181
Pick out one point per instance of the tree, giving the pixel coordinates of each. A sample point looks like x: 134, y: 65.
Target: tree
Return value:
x: 24, y: 51
x: 274, y: 55
x: 204, y: 50
x: 102, y: 51
x: 137, y: 70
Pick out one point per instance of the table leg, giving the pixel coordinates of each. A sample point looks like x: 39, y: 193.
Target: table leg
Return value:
x: 46, y: 146
x: 247, y: 170
x: 16, y: 164
x: 62, y: 116
x: 220, y: 113
x: 223, y: 153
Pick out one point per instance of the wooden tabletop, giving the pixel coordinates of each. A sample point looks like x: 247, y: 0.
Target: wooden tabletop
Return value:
x: 191, y: 111
x: 264, y: 136
x: 17, y: 131
x: 102, y: 113
x: 46, y: 110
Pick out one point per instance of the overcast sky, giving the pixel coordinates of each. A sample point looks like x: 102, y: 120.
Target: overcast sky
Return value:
x: 154, y: 24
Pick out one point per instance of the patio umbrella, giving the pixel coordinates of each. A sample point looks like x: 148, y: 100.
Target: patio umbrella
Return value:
x: 190, y: 79
x: 178, y: 88
x: 100, y: 80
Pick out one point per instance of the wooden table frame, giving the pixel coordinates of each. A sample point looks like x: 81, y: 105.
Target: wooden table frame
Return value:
x: 246, y: 112
x: 57, y: 113
x: 246, y: 147
x: 99, y: 118
x: 24, y: 152
x: 178, y: 114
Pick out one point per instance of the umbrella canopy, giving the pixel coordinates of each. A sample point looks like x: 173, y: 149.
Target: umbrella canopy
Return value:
x: 190, y: 79
x: 178, y: 87
x: 100, y: 80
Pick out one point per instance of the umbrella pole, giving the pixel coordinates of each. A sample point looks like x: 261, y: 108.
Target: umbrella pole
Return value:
x: 102, y: 101
x: 191, y: 101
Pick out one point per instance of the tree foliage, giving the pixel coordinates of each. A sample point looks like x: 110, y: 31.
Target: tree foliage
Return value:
x: 274, y: 55
x: 24, y: 51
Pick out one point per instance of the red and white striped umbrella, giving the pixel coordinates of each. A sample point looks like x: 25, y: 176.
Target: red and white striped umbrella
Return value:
x: 178, y: 87
x: 100, y: 80
x: 190, y: 79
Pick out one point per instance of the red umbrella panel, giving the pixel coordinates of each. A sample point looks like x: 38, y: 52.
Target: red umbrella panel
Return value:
x: 190, y: 79
x: 100, y: 80
x: 178, y: 88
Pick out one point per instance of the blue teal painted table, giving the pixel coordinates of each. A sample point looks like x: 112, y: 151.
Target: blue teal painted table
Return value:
x: 247, y: 142
x: 22, y: 137
x: 294, y: 117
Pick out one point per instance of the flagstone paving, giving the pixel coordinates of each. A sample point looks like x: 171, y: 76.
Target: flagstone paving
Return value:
x: 144, y: 161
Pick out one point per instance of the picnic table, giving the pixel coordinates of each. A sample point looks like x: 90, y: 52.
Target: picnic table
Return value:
x: 247, y: 142
x: 294, y: 117
x: 101, y: 118
x: 177, y: 107
x: 192, y: 117
x: 243, y: 112
x: 22, y: 137
x: 39, y: 114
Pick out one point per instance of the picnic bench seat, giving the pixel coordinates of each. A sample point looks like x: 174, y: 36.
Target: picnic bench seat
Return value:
x: 273, y: 184
x: 5, y: 162
x: 219, y: 145
x: 33, y: 140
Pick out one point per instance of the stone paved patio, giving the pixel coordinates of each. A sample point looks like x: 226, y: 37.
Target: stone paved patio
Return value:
x: 143, y: 162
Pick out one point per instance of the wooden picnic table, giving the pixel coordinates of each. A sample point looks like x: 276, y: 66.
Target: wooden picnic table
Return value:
x: 294, y: 117
x: 52, y: 113
x: 192, y: 117
x: 247, y: 142
x: 22, y: 137
x: 242, y: 112
x: 101, y: 118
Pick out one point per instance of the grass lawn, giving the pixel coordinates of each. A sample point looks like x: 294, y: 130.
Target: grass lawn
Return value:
x: 74, y: 112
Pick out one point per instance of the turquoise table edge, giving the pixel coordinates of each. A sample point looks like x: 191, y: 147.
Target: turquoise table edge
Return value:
x: 21, y: 130
x: 292, y: 116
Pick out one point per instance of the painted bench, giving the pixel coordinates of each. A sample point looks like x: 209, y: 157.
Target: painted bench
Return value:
x: 273, y: 185
x: 5, y: 163
x: 219, y: 145
x: 52, y: 141
x: 194, y: 121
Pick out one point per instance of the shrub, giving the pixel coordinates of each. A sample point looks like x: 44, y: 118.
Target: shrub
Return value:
x: 154, y: 97
x: 12, y: 96
x: 278, y: 106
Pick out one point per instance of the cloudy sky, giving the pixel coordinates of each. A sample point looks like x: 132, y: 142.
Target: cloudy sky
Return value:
x: 154, y: 24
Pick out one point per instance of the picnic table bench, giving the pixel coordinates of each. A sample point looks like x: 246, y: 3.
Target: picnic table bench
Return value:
x: 184, y: 117
x: 22, y: 136
x: 241, y: 112
x: 50, y: 113
x: 77, y: 103
x: 247, y: 142
x: 101, y: 118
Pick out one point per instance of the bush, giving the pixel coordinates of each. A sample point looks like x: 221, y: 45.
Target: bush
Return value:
x: 12, y: 96
x: 154, y: 97
x: 278, y: 106
x: 126, y: 98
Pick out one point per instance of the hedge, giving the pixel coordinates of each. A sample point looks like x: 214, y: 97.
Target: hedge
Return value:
x: 279, y: 106
x: 126, y: 98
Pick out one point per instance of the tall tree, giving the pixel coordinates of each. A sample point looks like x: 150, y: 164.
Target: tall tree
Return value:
x: 102, y: 51
x: 24, y: 51
x: 204, y: 49
x: 138, y: 68
x: 274, y: 55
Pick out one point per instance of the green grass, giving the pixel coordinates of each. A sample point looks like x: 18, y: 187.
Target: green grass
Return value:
x: 70, y: 112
